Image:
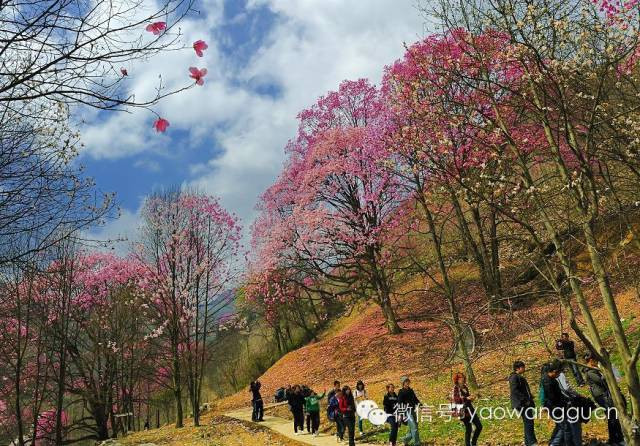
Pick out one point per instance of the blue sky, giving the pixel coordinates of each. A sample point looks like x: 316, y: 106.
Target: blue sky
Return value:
x: 267, y: 60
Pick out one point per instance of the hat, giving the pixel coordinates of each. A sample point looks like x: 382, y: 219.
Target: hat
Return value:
x: 403, y: 379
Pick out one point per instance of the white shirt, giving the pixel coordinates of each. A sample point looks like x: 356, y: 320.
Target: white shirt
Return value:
x: 360, y: 394
x: 565, y: 386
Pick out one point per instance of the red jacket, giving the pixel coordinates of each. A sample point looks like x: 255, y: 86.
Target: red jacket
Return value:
x: 346, y: 405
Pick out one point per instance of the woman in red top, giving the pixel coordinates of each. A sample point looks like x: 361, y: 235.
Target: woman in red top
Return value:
x: 463, y: 399
x: 347, y: 406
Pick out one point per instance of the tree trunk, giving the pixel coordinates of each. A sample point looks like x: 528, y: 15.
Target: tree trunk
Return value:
x: 458, y: 331
x: 196, y: 409
x: 101, y: 419
x: 630, y: 425
x: 390, y: 318
x: 449, y: 294
x: 177, y: 391
x: 485, y: 259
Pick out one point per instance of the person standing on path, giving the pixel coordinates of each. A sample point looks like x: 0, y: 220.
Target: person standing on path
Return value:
x: 360, y: 395
x: 306, y: 391
x: 390, y: 404
x: 575, y: 404
x: 567, y: 346
x: 256, y: 401
x: 463, y: 400
x: 333, y: 410
x: 348, y: 411
x: 408, y: 406
x: 334, y: 414
x: 522, y: 401
x: 312, y: 407
x: 296, y: 402
x: 601, y: 393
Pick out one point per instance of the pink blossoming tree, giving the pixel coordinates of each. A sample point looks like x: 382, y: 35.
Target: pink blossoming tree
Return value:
x: 333, y: 209
x: 189, y: 248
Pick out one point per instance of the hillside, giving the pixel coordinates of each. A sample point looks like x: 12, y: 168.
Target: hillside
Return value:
x: 358, y: 348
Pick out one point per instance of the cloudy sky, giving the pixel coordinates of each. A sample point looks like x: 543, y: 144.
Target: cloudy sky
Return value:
x: 267, y: 60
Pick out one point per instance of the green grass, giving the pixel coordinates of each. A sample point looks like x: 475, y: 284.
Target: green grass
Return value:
x: 443, y: 431
x: 633, y: 337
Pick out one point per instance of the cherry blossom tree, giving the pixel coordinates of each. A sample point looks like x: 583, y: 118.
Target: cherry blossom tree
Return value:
x: 25, y: 371
x: 189, y: 249
x: 108, y: 350
x: 421, y: 88
x: 334, y: 205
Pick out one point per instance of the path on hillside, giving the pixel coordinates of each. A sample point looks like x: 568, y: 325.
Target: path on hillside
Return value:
x: 285, y: 428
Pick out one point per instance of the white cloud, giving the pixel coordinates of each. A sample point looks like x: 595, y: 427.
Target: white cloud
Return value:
x: 313, y: 46
x: 148, y: 164
x: 117, y: 235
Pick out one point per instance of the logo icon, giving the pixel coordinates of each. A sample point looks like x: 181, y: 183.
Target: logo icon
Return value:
x: 369, y: 410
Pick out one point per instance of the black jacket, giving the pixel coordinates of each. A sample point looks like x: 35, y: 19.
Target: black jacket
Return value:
x: 390, y: 401
x: 553, y: 395
x: 521, y: 397
x: 296, y: 401
x: 407, y: 398
x: 255, y: 391
x: 567, y: 347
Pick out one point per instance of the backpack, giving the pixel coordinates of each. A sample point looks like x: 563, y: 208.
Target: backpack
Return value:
x: 332, y: 409
x: 280, y: 395
x: 541, y: 396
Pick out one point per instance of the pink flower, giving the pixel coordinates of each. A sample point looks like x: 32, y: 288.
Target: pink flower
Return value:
x: 161, y: 125
x: 198, y: 74
x: 199, y: 46
x: 156, y: 27
x: 124, y: 71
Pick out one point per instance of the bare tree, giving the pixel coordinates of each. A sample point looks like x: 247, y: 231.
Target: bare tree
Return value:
x: 72, y: 51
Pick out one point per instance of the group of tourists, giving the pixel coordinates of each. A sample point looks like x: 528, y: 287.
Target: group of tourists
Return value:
x: 557, y: 397
x: 565, y: 406
x: 304, y: 404
x: 342, y: 402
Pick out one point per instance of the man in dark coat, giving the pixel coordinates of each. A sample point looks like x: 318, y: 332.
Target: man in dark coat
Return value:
x: 256, y: 401
x: 601, y: 393
x: 556, y: 404
x: 568, y: 349
x: 522, y: 401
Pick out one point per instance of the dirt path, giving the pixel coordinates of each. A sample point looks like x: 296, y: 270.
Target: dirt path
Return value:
x: 284, y: 428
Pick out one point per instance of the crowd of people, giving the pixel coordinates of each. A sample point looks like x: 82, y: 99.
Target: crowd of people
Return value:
x: 556, y: 396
